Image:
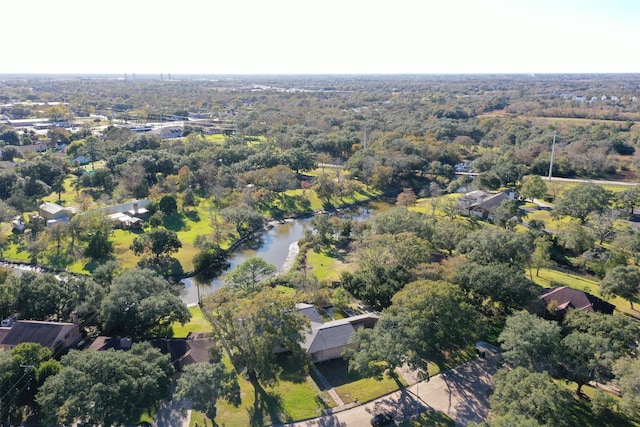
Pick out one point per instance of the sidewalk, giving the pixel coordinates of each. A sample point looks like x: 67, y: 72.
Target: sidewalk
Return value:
x: 462, y: 393
x: 173, y: 414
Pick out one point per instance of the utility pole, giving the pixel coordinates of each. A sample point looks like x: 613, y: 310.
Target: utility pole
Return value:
x: 553, y: 153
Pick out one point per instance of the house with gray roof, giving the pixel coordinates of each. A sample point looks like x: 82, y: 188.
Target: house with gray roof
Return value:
x: 53, y: 211
x: 327, y: 340
x: 482, y: 204
x: 56, y: 336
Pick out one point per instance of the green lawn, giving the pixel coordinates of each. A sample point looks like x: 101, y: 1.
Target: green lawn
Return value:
x: 197, y: 324
x: 430, y: 419
x: 325, y: 266
x: 295, y: 397
x: 354, y: 388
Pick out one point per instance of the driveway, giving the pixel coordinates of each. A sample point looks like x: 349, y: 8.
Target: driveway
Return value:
x: 462, y: 393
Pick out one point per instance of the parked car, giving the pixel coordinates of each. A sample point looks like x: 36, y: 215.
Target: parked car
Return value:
x: 382, y: 420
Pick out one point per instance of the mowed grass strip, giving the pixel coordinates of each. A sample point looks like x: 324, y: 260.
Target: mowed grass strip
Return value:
x: 294, y: 397
x: 197, y: 324
x: 351, y: 387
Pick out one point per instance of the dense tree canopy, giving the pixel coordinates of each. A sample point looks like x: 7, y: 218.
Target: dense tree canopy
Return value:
x: 530, y: 341
x: 579, y: 201
x: 139, y: 303
x: 499, y: 283
x: 251, y: 326
x: 425, y: 319
x: 623, y: 281
x: 106, y: 387
x: 519, y: 392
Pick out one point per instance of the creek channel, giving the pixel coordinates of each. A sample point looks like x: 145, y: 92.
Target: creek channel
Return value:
x: 278, y: 246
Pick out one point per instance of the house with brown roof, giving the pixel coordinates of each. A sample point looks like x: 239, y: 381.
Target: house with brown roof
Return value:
x: 183, y: 351
x: 56, y: 336
x: 557, y: 301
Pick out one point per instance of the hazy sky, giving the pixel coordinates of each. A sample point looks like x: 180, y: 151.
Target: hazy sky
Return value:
x: 330, y: 36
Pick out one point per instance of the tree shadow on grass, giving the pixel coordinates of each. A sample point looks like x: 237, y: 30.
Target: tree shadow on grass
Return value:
x: 291, y: 372
x: 337, y: 372
x: 175, y: 222
x: 192, y: 216
x: 267, y: 407
x: 164, y: 265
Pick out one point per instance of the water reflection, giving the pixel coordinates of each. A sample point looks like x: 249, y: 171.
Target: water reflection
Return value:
x: 273, y: 245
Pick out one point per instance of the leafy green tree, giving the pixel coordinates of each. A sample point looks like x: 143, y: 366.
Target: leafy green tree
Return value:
x: 580, y: 201
x: 158, y: 241
x: 399, y: 219
x: 493, y: 245
x: 99, y: 246
x: 447, y: 234
x: 533, y: 188
x: 248, y: 274
x: 205, y: 383
x: 620, y: 330
x: 512, y: 420
x: 519, y: 392
x: 585, y: 358
x: 541, y: 257
x: 575, y: 238
x: 628, y: 199
x: 58, y: 185
x: 602, y: 224
x: 326, y: 188
x: 626, y: 372
x: 245, y: 219
x: 530, y: 341
x: 40, y: 296
x: 251, y: 326
x: 300, y: 159
x: 280, y: 179
x: 498, y: 283
x: 139, y: 303
x: 105, y: 388
x: 21, y: 371
x: 622, y: 281
x: 426, y: 319
x: 168, y: 204
x: 376, y: 284
x: 323, y: 227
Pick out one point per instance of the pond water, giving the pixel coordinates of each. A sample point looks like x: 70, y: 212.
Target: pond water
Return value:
x: 277, y: 246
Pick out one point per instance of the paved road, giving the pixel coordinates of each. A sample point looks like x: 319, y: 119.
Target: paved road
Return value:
x: 462, y: 393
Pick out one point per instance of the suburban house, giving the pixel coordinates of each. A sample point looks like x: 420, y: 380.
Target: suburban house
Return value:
x: 481, y: 203
x: 183, y: 351
x: 327, y: 340
x: 54, y: 212
x: 56, y: 336
x: 555, y: 302
x: 127, y: 215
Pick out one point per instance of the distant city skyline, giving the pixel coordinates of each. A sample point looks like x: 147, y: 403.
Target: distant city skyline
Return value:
x: 329, y: 37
